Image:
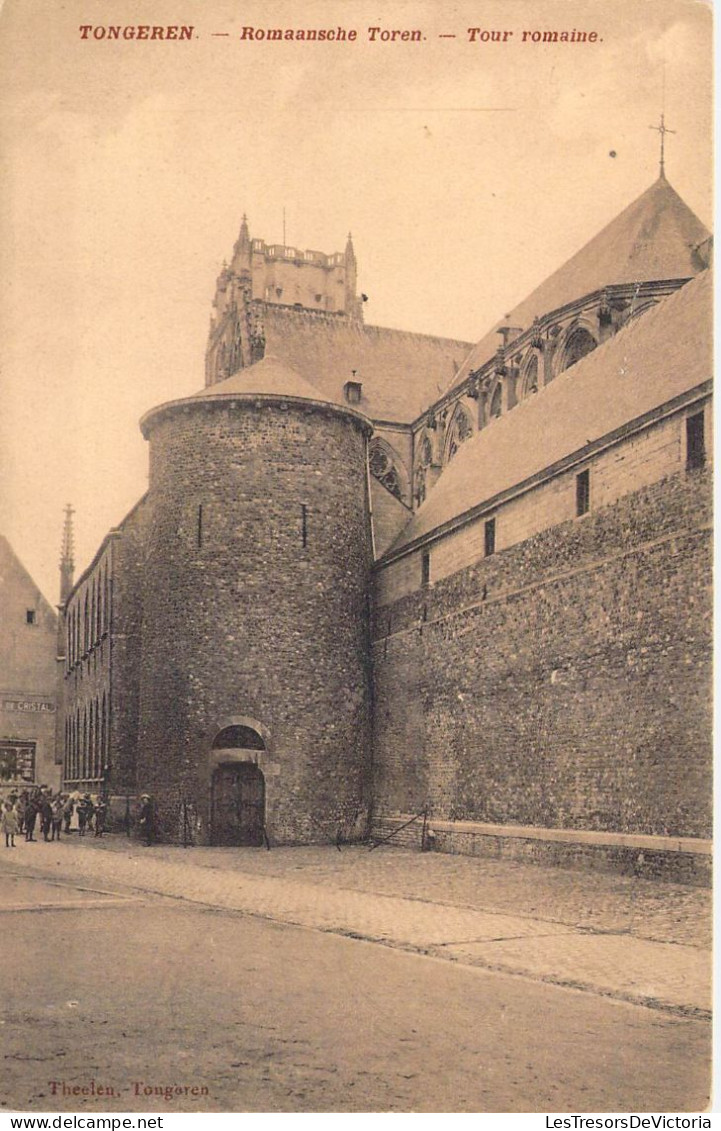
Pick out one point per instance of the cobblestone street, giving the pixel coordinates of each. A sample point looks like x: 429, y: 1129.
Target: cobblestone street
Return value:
x: 642, y: 941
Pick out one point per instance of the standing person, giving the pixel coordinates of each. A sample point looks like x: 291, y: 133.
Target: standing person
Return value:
x: 46, y: 814
x: 32, y: 808
x: 101, y: 810
x: 9, y: 824
x: 68, y: 808
x: 147, y: 818
x: 20, y: 807
x: 58, y: 806
x: 92, y: 799
x: 90, y: 818
x: 82, y: 811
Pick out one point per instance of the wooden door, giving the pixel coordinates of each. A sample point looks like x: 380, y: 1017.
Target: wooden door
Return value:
x: 238, y: 815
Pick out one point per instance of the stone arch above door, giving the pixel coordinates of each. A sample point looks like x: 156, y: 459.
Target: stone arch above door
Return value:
x: 230, y: 730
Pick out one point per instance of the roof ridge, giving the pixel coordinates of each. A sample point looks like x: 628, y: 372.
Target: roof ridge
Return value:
x: 618, y: 253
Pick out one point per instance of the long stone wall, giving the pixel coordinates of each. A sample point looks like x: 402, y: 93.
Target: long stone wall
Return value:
x: 562, y: 683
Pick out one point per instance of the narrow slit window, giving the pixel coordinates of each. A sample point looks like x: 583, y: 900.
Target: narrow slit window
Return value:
x: 695, y: 443
x: 426, y: 568
x: 200, y: 526
x: 489, y: 537
x: 583, y: 492
x: 304, y: 524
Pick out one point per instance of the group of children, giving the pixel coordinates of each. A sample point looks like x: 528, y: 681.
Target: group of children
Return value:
x: 20, y: 812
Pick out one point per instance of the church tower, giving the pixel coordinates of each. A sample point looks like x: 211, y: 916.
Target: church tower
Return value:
x: 262, y: 276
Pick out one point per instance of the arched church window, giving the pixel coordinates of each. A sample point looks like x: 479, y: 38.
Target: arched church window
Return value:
x: 496, y: 403
x: 530, y: 377
x: 459, y: 431
x: 420, y: 485
x: 423, y: 460
x: 221, y: 367
x: 104, y: 734
x: 579, y: 343
x: 90, y: 766
x: 84, y: 747
x: 382, y: 468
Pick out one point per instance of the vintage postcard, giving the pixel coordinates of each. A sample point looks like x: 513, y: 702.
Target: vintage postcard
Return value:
x: 356, y: 455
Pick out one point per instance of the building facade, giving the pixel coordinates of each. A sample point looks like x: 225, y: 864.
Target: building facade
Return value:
x: 27, y: 680
x: 391, y: 583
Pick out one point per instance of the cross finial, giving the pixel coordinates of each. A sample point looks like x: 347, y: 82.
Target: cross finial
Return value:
x: 662, y: 130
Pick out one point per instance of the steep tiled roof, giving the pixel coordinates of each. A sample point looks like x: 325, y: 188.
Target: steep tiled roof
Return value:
x: 663, y: 353
x: 656, y: 237
x: 401, y: 373
x: 268, y: 376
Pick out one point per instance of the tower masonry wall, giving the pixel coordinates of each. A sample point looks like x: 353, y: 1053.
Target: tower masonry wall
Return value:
x: 256, y: 607
x: 562, y: 683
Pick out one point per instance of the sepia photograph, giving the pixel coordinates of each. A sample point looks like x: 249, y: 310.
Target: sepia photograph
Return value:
x: 356, y: 551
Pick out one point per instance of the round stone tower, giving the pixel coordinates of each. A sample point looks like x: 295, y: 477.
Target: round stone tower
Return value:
x: 255, y: 697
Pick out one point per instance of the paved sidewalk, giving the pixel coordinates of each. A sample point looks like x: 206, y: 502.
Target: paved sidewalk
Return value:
x: 641, y: 941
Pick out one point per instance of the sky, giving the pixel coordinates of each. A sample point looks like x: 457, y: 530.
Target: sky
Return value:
x: 466, y: 171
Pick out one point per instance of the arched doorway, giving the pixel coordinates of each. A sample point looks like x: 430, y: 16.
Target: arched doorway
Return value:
x: 237, y: 814
x: 238, y: 805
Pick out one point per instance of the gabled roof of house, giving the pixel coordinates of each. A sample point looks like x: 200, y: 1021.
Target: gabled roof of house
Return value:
x: 663, y: 353
x: 15, y: 578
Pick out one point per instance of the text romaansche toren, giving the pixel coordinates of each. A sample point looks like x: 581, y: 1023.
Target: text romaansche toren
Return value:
x: 374, y: 34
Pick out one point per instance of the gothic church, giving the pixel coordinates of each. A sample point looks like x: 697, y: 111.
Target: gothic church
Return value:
x: 389, y: 583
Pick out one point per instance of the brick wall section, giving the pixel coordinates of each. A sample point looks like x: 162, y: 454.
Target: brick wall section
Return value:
x: 637, y: 460
x: 87, y: 674
x: 104, y: 663
x: 242, y: 620
x: 563, y: 682
x: 126, y: 624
